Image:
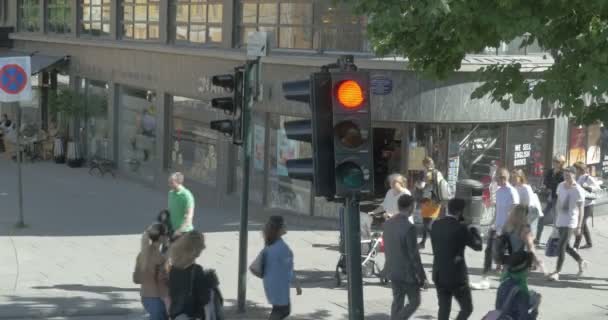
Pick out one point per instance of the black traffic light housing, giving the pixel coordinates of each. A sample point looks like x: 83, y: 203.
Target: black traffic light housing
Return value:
x: 318, y: 130
x: 352, y: 133
x: 232, y: 106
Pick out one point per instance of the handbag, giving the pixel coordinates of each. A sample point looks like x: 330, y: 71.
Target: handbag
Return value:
x: 183, y: 316
x: 257, y: 266
x: 552, y: 249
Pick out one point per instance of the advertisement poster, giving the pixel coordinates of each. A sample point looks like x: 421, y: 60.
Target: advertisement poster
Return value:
x: 576, y: 147
x: 604, y: 164
x: 454, y: 165
x: 526, y: 150
x: 286, y: 150
x: 258, y: 147
x: 594, y: 134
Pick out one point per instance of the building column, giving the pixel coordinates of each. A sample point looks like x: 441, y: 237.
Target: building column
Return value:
x: 230, y: 20
x: 115, y: 11
x: 163, y: 134
x: 113, y: 105
x: 165, y: 21
x: 74, y: 18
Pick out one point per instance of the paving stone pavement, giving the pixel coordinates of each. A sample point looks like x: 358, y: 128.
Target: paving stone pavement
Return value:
x: 75, y: 259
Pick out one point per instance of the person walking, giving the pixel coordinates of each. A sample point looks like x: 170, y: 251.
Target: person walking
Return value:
x: 570, y: 212
x: 190, y: 287
x: 527, y: 197
x: 150, y: 273
x: 552, y: 179
x: 590, y: 185
x: 181, y: 205
x: 278, y: 269
x: 431, y: 197
x: 398, y: 184
x: 449, y: 238
x: 507, y: 198
x: 522, y: 257
x: 403, y: 264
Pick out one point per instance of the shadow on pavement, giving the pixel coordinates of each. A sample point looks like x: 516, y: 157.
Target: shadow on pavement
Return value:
x: 259, y: 312
x: 84, y: 288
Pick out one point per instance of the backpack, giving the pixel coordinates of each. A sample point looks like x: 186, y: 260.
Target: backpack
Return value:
x: 502, y: 307
x: 441, y: 189
x: 214, y: 310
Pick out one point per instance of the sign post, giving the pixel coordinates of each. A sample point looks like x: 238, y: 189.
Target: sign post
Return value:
x: 15, y: 86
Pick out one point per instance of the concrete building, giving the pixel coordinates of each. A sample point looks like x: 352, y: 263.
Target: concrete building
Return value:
x: 145, y: 68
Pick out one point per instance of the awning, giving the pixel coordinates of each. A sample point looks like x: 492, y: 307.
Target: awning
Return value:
x: 39, y: 62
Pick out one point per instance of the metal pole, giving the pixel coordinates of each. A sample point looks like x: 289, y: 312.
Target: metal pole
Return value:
x: 243, y: 232
x: 21, y: 222
x: 353, y: 263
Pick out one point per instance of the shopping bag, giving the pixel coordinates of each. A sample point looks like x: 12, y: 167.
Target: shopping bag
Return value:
x: 552, y: 249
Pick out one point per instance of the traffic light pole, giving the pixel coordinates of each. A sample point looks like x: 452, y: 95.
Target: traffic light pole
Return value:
x: 251, y: 85
x: 353, y: 262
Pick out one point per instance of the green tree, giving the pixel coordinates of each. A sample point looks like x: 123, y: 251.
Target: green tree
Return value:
x: 435, y: 35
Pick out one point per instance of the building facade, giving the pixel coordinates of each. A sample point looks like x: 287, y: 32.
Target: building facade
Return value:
x: 145, y: 66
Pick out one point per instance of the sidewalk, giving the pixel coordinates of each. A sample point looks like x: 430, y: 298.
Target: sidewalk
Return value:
x: 76, y: 258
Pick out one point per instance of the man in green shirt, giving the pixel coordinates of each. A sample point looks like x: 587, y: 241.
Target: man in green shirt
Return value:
x: 181, y: 205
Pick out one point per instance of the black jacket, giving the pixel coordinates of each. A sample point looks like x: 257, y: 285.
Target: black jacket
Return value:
x: 180, y: 282
x: 403, y: 262
x: 449, y: 238
x: 552, y: 180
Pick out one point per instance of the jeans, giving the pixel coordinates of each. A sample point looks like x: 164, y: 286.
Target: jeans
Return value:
x: 546, y: 218
x: 279, y: 312
x: 426, y: 229
x: 399, y: 311
x: 533, y: 220
x: 565, y: 234
x: 155, y: 307
x: 462, y: 296
x: 586, y: 232
x: 487, y: 261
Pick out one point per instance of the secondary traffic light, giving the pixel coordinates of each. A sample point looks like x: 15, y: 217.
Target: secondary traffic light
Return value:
x: 318, y: 130
x: 352, y: 133
x: 232, y: 106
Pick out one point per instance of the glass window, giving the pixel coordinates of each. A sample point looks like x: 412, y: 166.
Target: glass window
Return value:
x: 95, y: 17
x: 305, y: 24
x: 137, y: 132
x: 29, y: 15
x: 140, y: 19
x: 198, y: 21
x: 59, y: 16
x: 194, y: 144
x: 284, y: 192
x: 97, y: 123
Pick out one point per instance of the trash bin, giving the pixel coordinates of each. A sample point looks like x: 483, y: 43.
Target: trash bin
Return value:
x: 471, y: 191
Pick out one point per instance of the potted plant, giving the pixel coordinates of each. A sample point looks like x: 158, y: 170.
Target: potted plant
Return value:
x: 68, y: 105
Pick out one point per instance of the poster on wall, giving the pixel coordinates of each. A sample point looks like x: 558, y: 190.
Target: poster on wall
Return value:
x: 526, y: 150
x: 576, y: 146
x: 453, y: 166
x: 594, y: 134
x: 604, y: 143
x: 258, y: 147
x: 286, y: 149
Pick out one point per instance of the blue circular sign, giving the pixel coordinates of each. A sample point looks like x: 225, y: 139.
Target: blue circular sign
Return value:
x: 13, y: 79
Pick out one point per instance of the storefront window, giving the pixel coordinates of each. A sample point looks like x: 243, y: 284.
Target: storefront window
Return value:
x: 95, y: 18
x: 284, y: 192
x: 576, y: 146
x: 137, y: 132
x: 97, y: 124
x: 29, y: 15
x: 141, y: 19
x: 307, y: 24
x: 194, y: 144
x: 198, y: 22
x: 30, y: 109
x: 528, y: 149
x: 59, y: 16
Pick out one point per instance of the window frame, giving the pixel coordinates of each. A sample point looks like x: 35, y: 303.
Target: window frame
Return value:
x: 91, y: 20
x: 176, y: 23
x: 122, y: 22
x: 60, y: 5
x: 31, y: 4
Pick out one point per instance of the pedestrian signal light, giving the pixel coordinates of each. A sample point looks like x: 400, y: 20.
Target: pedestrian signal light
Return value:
x: 350, y: 94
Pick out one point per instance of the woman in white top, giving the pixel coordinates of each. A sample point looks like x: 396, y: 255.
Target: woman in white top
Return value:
x: 590, y: 185
x: 569, y: 220
x: 398, y: 188
x: 527, y: 197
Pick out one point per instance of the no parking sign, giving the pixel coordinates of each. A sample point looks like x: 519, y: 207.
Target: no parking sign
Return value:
x: 15, y: 79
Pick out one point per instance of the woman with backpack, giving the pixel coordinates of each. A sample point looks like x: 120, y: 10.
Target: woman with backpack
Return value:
x: 278, y: 273
x: 527, y: 197
x: 150, y: 272
x: 191, y: 288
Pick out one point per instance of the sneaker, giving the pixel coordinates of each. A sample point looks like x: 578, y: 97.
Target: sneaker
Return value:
x: 554, y: 277
x: 484, y: 284
x: 582, y: 266
x: 587, y: 246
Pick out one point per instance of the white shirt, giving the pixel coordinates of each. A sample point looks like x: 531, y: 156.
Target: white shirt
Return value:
x: 529, y: 198
x: 588, y: 181
x: 390, y: 202
x: 506, y: 198
x: 567, y: 205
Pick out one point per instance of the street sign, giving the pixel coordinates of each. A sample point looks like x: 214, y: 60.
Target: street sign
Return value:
x: 257, y: 44
x: 381, y: 85
x: 15, y: 79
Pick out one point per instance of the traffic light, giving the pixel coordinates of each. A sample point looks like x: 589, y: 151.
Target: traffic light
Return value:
x: 318, y: 131
x: 232, y: 106
x: 352, y: 133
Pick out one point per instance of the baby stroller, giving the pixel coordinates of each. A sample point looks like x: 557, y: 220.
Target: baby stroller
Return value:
x: 371, y: 246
